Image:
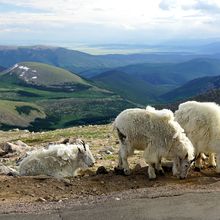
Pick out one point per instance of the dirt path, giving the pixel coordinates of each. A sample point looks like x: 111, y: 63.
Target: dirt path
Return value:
x: 28, y: 194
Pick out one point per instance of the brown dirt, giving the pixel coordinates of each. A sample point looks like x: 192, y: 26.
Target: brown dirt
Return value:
x: 15, y: 191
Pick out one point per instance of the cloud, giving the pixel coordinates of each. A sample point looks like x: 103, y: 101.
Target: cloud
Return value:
x: 121, y: 20
x: 206, y: 6
x: 166, y: 4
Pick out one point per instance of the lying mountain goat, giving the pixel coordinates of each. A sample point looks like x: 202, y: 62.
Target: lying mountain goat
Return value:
x: 59, y: 160
x: 201, y: 122
x: 155, y: 132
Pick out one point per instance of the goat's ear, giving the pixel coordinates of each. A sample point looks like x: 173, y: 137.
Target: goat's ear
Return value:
x: 186, y: 156
x: 80, y: 151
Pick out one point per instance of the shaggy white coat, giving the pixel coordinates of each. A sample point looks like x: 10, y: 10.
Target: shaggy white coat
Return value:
x: 59, y: 160
x: 155, y: 132
x: 201, y: 122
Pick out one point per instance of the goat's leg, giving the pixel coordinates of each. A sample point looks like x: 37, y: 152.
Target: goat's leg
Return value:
x: 212, y: 162
x: 159, y: 168
x: 151, y: 171
x: 198, y: 162
x: 218, y: 163
x: 123, y: 160
x: 176, y: 167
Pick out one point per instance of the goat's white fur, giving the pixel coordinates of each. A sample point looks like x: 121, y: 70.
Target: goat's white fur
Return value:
x: 155, y: 132
x: 201, y: 122
x: 59, y: 160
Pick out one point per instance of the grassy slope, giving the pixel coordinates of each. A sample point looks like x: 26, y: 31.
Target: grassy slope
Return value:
x: 63, y: 109
x: 46, y: 74
x: 19, y: 114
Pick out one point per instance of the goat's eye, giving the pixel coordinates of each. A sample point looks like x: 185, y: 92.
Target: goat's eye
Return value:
x: 186, y: 165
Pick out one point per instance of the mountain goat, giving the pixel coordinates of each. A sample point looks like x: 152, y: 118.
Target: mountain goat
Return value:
x: 201, y: 122
x: 158, y: 135
x: 59, y: 160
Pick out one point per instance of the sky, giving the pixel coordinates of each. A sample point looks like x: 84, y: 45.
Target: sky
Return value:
x: 107, y: 21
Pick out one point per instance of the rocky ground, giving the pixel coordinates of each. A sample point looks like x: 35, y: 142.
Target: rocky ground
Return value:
x: 29, y: 194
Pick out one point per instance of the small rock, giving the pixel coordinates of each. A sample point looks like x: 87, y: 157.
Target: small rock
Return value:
x: 107, y: 150
x: 67, y: 182
x: 101, y: 170
x: 137, y: 167
x: 32, y: 195
x: 102, y: 182
x: 2, y: 152
x: 59, y: 187
x: 94, y: 189
x: 21, y: 144
x: 48, y: 197
x: 41, y: 200
x: 7, y: 170
x: 98, y: 157
x: 117, y: 199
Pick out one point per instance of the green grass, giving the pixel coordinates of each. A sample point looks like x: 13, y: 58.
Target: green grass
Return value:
x: 13, y: 114
x: 57, y: 108
x: 87, y: 132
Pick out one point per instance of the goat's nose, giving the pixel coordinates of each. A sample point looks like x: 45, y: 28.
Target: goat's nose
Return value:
x: 182, y: 178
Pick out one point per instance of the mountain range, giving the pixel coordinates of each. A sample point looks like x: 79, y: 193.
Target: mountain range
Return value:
x: 84, y: 64
x: 51, y: 87
x: 152, y: 82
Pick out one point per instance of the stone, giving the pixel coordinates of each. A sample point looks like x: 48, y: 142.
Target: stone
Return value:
x: 101, y: 170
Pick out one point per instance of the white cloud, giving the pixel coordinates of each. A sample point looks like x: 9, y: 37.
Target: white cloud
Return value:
x: 82, y: 17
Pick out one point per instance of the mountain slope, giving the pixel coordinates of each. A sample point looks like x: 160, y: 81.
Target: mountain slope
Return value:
x: 19, y: 114
x: 2, y: 68
x: 41, y: 97
x: 148, y: 82
x: 130, y: 86
x: 46, y: 76
x: 174, y: 73
x: 193, y: 88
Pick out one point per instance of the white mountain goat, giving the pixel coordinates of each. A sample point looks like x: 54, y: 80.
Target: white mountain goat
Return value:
x: 59, y: 160
x: 155, y: 132
x: 201, y: 122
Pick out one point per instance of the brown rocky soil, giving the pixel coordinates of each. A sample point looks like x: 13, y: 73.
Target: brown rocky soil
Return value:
x: 17, y: 192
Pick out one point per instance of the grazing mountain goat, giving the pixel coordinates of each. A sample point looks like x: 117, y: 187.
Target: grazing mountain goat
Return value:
x: 201, y: 122
x: 155, y: 132
x: 59, y: 160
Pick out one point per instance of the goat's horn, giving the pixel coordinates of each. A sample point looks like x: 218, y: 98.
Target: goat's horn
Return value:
x: 83, y: 143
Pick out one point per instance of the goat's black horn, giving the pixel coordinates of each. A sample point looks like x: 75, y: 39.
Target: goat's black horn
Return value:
x: 84, y: 145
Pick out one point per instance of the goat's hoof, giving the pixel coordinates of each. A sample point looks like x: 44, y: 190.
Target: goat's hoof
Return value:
x: 119, y: 171
x: 161, y: 173
x: 127, y: 172
x: 152, y: 178
x: 197, y: 169
x: 212, y: 166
